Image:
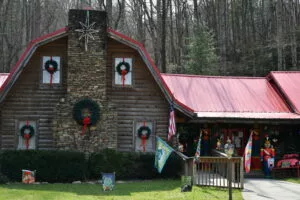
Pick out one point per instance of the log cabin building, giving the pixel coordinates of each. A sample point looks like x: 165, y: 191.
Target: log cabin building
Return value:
x: 87, y: 87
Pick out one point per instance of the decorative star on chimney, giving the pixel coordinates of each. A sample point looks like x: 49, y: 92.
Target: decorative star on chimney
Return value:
x: 87, y: 30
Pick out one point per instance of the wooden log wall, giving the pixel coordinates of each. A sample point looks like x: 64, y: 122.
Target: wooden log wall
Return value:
x: 29, y: 99
x: 144, y: 101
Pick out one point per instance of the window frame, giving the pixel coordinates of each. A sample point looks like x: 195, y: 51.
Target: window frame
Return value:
x: 120, y: 56
x: 19, y: 137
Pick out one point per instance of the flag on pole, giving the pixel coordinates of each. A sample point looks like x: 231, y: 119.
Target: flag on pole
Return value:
x: 163, y: 151
x: 198, y: 150
x: 172, y: 124
x: 247, y: 153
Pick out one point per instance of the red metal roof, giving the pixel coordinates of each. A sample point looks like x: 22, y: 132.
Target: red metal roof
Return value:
x: 3, y: 77
x: 16, y: 70
x: 236, y: 97
x: 27, y: 55
x: 288, y: 83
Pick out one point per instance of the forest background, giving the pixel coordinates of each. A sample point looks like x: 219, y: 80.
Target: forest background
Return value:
x: 209, y: 37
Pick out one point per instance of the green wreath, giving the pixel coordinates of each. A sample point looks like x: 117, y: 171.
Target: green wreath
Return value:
x: 144, y: 128
x: 127, y: 66
x: 93, y: 108
x: 52, y: 63
x: 27, y: 127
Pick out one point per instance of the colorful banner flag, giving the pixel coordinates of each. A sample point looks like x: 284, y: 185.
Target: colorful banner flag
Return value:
x: 172, y: 123
x: 198, y: 150
x: 163, y: 151
x: 247, y: 153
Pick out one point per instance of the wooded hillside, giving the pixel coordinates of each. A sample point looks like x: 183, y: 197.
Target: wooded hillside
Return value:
x: 223, y: 37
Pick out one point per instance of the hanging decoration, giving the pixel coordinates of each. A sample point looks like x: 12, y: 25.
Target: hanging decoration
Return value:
x: 86, y: 112
x: 51, y: 68
x: 27, y: 131
x: 123, y: 69
x: 144, y: 133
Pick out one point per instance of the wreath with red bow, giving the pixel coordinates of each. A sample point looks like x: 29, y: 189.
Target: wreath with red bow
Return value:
x: 51, y: 67
x: 121, y: 71
x: 27, y: 131
x: 144, y: 133
x: 92, y: 115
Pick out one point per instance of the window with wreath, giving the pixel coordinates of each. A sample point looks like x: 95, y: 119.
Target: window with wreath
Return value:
x: 123, y: 71
x: 51, y: 70
x: 27, y: 134
x: 144, y: 136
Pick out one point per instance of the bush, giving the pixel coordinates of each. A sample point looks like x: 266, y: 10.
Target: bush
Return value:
x: 131, y: 165
x: 65, y: 166
x: 51, y: 166
x: 3, y: 179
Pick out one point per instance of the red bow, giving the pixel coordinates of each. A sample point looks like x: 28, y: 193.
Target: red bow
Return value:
x: 123, y: 72
x: 86, y: 121
x: 27, y: 137
x: 143, y: 143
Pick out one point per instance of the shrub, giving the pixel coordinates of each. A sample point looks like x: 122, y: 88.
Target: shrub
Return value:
x: 3, y: 179
x: 65, y: 166
x: 131, y: 165
x: 51, y: 166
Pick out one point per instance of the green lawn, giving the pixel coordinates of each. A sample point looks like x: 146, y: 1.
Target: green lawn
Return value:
x: 293, y: 180
x: 145, y: 190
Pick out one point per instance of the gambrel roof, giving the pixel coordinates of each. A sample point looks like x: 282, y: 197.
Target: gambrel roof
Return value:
x: 199, y: 96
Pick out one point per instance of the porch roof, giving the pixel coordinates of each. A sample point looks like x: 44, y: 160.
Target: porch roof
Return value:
x: 229, y: 97
x: 288, y: 84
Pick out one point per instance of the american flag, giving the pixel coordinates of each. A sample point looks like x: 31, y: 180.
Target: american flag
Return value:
x: 172, y: 124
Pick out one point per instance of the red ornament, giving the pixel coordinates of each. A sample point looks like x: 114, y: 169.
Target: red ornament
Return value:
x: 86, y: 121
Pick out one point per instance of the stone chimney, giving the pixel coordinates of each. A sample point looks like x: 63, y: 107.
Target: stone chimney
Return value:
x: 87, y: 40
x: 86, y: 79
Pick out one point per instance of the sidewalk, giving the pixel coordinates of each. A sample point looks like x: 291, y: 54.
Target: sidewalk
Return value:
x: 267, y: 189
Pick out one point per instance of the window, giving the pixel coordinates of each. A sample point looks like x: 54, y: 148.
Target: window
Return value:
x: 51, y: 70
x: 123, y: 71
x: 22, y: 143
x: 144, y: 136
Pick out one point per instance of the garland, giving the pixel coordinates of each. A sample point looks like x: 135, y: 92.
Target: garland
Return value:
x: 27, y: 135
x: 144, y: 136
x: 121, y: 71
x: 93, y: 113
x: 51, y: 67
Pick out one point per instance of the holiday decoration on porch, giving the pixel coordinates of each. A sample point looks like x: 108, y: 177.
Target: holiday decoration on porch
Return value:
x: 123, y: 68
x: 27, y: 131
x: 51, y: 67
x: 86, y: 112
x: 144, y: 133
x: 267, y: 155
x: 205, y: 138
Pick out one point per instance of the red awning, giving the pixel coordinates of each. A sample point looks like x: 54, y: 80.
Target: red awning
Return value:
x: 228, y: 97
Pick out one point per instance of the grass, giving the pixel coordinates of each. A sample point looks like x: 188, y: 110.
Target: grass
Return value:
x: 293, y: 180
x: 145, y: 190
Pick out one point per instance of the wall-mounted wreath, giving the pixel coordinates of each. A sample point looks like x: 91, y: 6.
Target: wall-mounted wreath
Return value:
x: 123, y: 71
x: 144, y: 133
x: 86, y: 112
x: 27, y: 131
x: 51, y: 67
